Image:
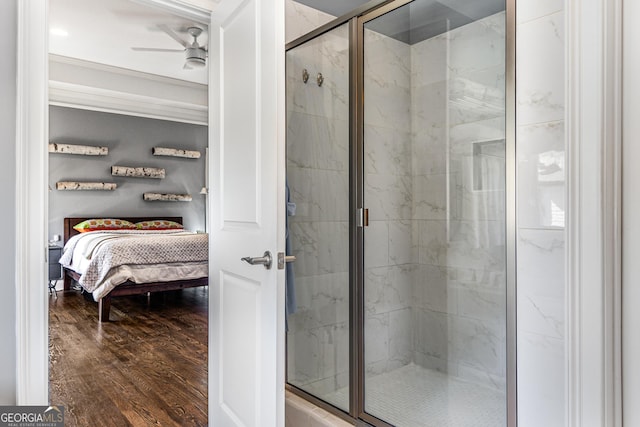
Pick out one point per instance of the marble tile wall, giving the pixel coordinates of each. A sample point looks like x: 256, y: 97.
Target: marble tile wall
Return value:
x: 389, y: 252
x: 301, y: 19
x: 318, y: 178
x: 541, y: 206
x: 457, y: 130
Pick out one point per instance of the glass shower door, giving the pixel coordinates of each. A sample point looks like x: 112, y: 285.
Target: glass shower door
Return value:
x: 318, y: 225
x: 434, y: 185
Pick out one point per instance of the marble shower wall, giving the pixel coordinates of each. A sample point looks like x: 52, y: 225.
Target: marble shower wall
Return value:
x: 301, y: 19
x: 389, y: 253
x: 458, y: 131
x: 318, y: 178
x: 541, y: 222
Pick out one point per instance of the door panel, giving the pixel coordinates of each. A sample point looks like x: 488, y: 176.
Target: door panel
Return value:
x: 246, y: 383
x: 434, y: 184
x: 318, y: 179
x: 240, y: 114
x: 238, y: 378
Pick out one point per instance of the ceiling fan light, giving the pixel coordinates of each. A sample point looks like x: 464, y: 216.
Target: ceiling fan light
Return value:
x: 196, y: 62
x: 195, y: 57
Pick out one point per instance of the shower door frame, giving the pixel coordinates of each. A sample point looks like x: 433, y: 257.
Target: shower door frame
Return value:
x: 356, y: 19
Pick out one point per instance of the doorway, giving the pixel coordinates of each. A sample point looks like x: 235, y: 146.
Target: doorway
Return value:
x: 113, y: 95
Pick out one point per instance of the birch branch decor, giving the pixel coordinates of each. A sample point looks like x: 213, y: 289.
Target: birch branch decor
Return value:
x: 72, y: 185
x: 159, y: 197
x: 139, y: 172
x: 175, y: 152
x: 83, y: 150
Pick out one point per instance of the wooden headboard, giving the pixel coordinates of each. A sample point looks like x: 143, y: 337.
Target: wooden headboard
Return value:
x: 69, y: 231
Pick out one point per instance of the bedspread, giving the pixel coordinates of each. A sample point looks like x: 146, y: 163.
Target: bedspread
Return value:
x: 105, y: 258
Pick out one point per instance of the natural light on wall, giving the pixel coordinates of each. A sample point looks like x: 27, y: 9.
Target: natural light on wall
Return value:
x: 59, y: 32
x: 551, y: 187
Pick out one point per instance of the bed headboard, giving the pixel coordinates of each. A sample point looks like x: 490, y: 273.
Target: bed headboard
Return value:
x: 69, y: 231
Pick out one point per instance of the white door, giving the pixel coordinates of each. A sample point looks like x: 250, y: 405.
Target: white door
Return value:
x: 246, y: 310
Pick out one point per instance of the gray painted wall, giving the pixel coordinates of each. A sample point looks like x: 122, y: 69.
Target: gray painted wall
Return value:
x: 130, y: 140
x: 7, y: 195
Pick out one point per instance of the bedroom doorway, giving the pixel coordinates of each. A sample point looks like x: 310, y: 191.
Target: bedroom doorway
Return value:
x: 261, y: 60
x: 126, y: 86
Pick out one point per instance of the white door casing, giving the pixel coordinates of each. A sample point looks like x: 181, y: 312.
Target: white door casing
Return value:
x: 246, y: 170
x: 593, y: 123
x: 32, y: 132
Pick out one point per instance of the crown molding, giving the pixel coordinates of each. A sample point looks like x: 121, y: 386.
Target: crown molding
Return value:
x: 126, y: 72
x: 97, y: 99
x: 185, y: 9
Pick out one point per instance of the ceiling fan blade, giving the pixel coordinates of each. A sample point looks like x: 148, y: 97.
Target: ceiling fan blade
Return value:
x: 173, y: 35
x: 152, y: 49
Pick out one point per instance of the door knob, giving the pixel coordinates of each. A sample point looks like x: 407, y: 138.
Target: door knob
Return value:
x: 265, y: 260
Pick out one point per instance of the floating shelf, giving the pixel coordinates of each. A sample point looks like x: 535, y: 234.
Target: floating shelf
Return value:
x: 83, y: 186
x: 82, y: 150
x: 138, y: 172
x: 160, y: 197
x: 175, y: 152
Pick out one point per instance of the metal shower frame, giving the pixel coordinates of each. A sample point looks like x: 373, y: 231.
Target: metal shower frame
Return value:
x: 356, y: 20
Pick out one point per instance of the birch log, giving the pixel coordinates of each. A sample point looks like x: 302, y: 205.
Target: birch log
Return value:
x: 174, y: 152
x: 84, y: 150
x: 139, y: 172
x: 71, y: 185
x: 159, y: 197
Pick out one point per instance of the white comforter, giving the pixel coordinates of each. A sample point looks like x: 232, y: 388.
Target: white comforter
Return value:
x: 106, y: 259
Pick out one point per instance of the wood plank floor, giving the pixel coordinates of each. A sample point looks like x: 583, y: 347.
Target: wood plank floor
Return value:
x: 148, y: 366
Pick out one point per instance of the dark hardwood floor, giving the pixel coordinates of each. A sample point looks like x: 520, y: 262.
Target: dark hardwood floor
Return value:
x: 148, y: 366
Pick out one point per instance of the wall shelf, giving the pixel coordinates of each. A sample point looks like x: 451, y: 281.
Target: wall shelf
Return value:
x: 138, y: 172
x: 163, y: 197
x: 85, y: 186
x: 82, y: 150
x: 175, y: 152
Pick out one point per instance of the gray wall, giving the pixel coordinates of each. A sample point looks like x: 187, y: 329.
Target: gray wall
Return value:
x: 7, y: 195
x: 130, y: 140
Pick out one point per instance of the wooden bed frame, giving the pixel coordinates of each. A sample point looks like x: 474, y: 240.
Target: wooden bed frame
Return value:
x: 127, y: 288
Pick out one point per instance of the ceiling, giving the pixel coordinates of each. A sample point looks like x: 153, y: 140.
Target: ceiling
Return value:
x: 104, y: 31
x: 420, y: 20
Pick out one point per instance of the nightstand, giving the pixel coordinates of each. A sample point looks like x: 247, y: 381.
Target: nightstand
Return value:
x: 55, y: 269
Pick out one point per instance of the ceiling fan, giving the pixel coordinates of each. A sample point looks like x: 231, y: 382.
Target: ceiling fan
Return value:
x: 195, y: 55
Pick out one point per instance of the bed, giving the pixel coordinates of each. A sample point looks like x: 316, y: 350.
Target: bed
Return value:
x: 112, y: 266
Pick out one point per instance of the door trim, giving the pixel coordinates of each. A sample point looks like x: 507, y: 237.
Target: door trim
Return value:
x: 593, y: 282
x: 32, y: 123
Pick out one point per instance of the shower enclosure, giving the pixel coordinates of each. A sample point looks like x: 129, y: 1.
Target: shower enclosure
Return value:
x: 400, y: 166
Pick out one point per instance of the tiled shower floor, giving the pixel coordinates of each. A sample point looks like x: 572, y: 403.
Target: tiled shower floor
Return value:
x: 412, y: 396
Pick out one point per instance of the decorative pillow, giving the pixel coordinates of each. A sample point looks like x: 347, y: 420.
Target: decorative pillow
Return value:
x: 104, y: 224
x: 159, y: 224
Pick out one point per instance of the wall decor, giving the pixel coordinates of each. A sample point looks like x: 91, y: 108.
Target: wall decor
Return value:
x: 72, y: 185
x: 83, y: 150
x: 138, y: 172
x: 159, y: 197
x: 175, y: 152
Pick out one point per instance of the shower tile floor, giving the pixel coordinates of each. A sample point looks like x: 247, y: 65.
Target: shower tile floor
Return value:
x: 412, y: 396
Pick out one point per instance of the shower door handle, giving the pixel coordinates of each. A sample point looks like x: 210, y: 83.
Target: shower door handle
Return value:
x: 362, y: 217
x: 265, y: 260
